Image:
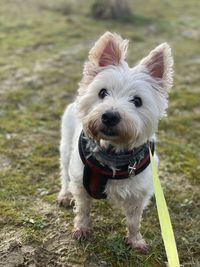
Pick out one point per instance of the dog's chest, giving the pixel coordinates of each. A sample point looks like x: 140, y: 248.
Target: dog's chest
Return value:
x: 134, y: 187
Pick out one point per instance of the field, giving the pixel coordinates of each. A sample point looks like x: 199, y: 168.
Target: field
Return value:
x: 43, y: 45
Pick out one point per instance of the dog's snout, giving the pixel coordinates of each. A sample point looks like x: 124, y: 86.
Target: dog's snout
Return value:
x: 110, y: 118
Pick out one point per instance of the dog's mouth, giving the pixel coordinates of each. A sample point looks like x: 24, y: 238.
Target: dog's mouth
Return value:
x: 108, y: 132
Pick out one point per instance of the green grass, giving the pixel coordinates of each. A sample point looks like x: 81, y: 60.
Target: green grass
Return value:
x: 43, y: 48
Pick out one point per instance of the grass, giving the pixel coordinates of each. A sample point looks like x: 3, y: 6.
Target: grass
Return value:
x: 43, y: 47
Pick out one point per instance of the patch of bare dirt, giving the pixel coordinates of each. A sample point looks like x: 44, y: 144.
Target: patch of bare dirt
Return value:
x: 13, y: 254
x: 57, y: 249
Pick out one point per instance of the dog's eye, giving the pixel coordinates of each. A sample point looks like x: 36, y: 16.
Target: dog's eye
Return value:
x: 102, y: 93
x: 137, y: 101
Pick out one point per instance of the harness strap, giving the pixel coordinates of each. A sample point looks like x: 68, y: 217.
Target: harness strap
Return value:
x: 96, y: 175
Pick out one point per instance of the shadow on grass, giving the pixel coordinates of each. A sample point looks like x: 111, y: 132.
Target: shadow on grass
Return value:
x: 137, y: 20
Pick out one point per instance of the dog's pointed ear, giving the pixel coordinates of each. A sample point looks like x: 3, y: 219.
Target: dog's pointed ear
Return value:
x: 110, y: 49
x: 159, y: 64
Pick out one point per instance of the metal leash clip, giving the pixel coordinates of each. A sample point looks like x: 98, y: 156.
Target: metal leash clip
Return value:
x: 131, y: 169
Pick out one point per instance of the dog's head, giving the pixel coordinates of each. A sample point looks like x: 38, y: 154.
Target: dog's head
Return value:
x: 121, y: 104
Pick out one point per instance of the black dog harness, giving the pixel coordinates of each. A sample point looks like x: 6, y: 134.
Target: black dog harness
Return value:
x: 96, y: 174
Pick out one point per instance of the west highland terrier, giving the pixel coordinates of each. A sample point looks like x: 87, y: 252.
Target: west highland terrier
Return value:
x: 107, y: 130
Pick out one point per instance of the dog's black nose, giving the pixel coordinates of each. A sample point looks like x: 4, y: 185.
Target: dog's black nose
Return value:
x: 110, y: 118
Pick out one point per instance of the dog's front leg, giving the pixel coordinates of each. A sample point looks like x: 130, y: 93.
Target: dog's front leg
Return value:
x: 133, y: 217
x: 64, y: 196
x: 82, y: 211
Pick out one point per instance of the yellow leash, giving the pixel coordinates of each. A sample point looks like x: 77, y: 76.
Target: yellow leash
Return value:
x: 164, y: 219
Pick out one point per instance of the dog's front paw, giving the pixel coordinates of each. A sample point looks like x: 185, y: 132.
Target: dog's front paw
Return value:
x: 81, y: 233
x: 138, y: 243
x: 65, y: 200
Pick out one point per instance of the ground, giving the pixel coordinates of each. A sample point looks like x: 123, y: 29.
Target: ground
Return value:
x: 43, y: 45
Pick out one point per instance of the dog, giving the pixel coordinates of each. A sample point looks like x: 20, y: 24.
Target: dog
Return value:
x: 107, y: 131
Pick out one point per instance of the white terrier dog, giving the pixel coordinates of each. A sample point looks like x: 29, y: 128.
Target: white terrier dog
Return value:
x: 106, y: 133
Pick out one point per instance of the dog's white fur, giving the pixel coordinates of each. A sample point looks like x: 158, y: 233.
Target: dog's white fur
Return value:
x: 151, y: 80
